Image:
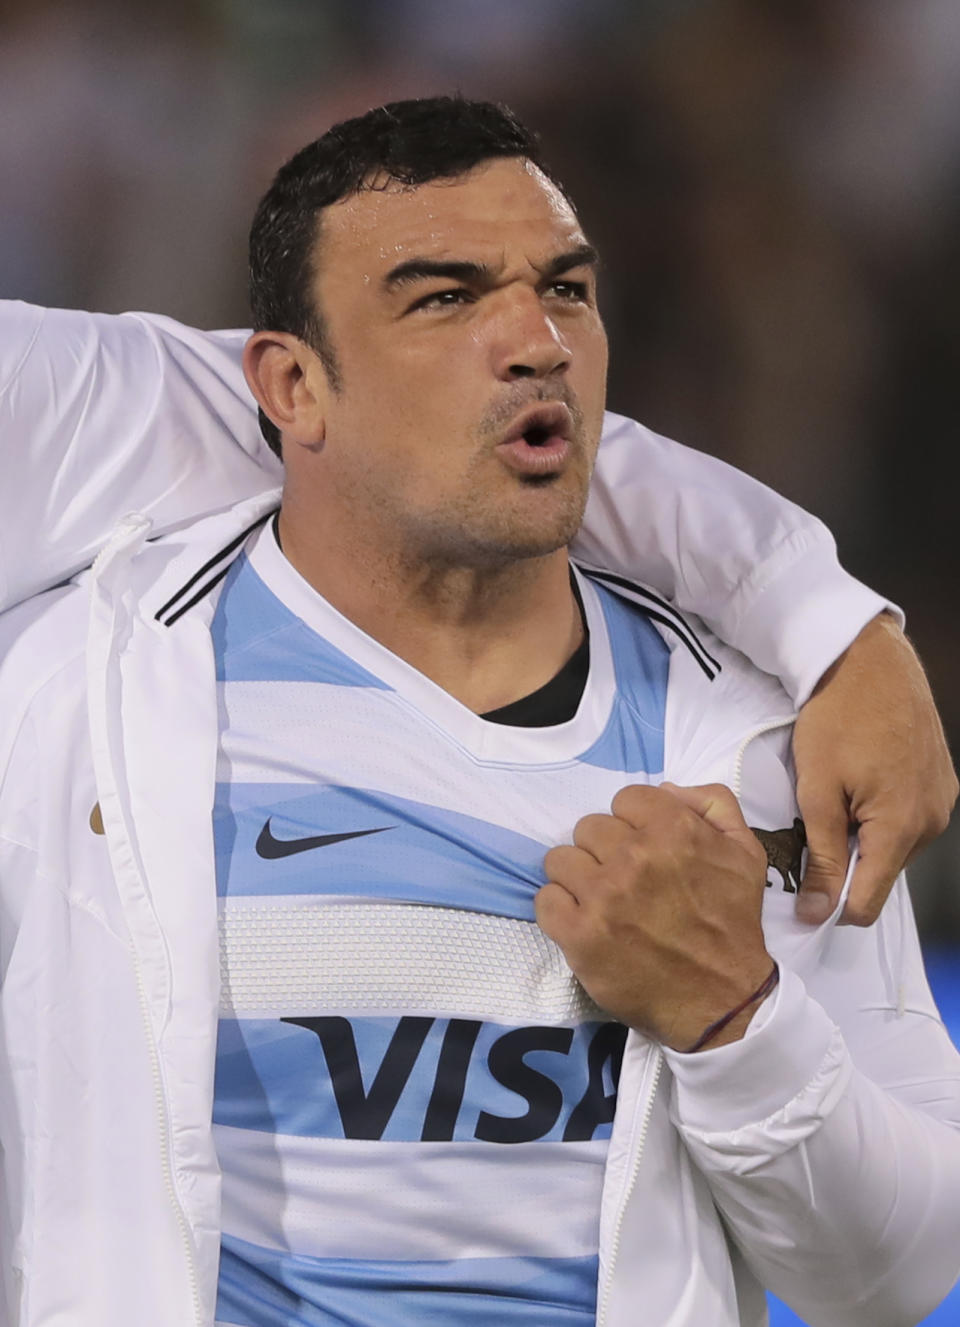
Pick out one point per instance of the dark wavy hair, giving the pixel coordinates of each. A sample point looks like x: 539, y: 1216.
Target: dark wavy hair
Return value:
x: 409, y: 142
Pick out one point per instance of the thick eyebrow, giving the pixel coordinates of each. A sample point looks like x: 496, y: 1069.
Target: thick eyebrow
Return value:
x: 425, y: 269
x: 584, y: 255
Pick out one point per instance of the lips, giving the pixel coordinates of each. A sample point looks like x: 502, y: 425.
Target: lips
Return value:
x: 537, y: 444
x: 538, y: 423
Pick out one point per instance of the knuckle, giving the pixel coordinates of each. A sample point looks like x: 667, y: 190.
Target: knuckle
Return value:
x: 825, y: 863
x: 635, y: 854
x: 587, y: 826
x: 721, y: 793
x: 556, y: 859
x: 863, y: 912
x: 687, y: 833
x: 939, y: 820
x: 548, y: 908
x: 630, y: 799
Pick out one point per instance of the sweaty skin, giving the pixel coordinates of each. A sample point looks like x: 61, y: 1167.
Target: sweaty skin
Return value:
x: 869, y: 747
x: 459, y: 312
x: 891, y: 766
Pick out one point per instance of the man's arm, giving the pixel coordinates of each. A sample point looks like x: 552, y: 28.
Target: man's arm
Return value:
x: 839, y: 1170
x: 898, y: 802
x: 827, y: 1120
x: 763, y: 574
x: 101, y: 415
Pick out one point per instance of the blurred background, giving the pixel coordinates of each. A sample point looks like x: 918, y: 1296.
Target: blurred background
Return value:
x: 774, y: 184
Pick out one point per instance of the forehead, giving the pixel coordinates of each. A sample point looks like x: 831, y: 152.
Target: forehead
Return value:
x: 501, y: 210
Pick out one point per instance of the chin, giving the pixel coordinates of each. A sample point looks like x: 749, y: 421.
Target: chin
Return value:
x: 526, y: 540
x: 530, y: 523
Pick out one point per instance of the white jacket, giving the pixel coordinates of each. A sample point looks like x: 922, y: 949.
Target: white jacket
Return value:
x: 105, y: 414
x: 827, y: 1138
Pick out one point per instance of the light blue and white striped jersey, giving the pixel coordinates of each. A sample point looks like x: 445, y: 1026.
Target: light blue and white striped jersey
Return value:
x: 413, y: 1093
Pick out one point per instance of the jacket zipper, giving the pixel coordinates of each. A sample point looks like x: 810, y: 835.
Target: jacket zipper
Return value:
x: 183, y: 1226
x: 129, y: 528
x: 638, y: 1148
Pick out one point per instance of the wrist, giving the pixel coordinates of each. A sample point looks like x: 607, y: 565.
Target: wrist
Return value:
x: 883, y: 629
x: 731, y: 1025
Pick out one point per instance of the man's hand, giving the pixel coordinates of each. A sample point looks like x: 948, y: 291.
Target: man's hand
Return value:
x: 871, y: 756
x: 657, y: 909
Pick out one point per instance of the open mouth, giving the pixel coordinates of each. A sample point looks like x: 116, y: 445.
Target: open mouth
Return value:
x: 538, y: 443
x: 536, y: 435
x: 539, y: 423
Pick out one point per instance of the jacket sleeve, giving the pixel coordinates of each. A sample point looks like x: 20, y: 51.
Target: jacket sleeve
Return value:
x: 104, y: 414
x: 830, y: 1135
x: 101, y: 415
x: 759, y: 570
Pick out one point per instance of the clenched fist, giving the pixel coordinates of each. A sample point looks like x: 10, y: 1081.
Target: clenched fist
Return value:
x: 657, y: 910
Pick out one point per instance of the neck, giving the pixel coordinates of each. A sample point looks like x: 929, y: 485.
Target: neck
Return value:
x: 487, y: 635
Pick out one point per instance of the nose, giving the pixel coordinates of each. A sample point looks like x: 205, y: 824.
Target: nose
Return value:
x: 525, y: 342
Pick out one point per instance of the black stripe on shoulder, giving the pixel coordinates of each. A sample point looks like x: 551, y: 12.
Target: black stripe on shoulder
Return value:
x: 662, y: 611
x: 225, y: 552
x: 204, y: 589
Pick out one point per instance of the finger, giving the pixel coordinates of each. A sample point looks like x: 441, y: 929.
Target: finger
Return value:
x: 556, y: 911
x: 827, y: 824
x: 601, y: 835
x: 571, y: 869
x: 714, y: 803
x: 882, y: 856
x: 638, y: 804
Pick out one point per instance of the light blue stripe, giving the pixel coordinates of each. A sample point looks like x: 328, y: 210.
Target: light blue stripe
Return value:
x: 274, y: 1077
x: 633, y: 738
x: 626, y: 744
x: 265, y: 1288
x: 257, y: 639
x: 424, y: 854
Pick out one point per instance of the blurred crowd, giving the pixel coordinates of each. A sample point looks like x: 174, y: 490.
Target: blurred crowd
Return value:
x: 774, y: 184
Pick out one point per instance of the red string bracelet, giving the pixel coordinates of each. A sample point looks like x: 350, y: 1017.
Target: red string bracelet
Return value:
x: 760, y: 993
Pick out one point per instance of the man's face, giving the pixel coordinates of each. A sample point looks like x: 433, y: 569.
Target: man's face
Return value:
x: 472, y: 365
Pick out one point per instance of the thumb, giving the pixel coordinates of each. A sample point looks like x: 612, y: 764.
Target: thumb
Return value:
x: 716, y: 804
x: 882, y: 858
x: 827, y: 826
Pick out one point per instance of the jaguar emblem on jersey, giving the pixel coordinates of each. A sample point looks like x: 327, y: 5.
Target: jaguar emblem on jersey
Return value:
x: 784, y: 849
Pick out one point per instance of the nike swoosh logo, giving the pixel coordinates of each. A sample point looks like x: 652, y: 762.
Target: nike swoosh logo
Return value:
x: 271, y: 848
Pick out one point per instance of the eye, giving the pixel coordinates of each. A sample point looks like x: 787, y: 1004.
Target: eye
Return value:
x: 575, y: 292
x: 440, y: 299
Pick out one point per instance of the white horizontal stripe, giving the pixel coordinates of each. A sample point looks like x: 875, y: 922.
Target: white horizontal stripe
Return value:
x: 299, y: 957
x: 358, y: 737
x: 328, y: 1198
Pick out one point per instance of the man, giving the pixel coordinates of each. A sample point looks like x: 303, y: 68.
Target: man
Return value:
x: 101, y: 415
x: 393, y: 699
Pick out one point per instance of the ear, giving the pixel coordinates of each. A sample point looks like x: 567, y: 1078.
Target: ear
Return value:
x: 290, y: 386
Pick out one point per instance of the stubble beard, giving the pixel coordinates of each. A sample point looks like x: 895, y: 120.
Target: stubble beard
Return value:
x: 496, y: 520
x: 490, y: 529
